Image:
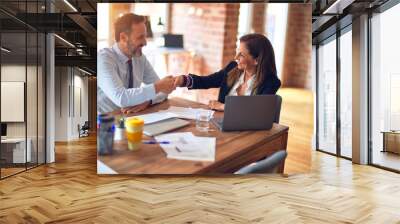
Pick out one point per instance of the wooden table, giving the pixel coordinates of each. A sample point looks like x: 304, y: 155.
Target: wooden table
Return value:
x: 233, y: 149
x: 391, y: 141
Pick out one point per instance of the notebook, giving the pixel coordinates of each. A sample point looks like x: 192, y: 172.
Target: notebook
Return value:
x: 164, y: 126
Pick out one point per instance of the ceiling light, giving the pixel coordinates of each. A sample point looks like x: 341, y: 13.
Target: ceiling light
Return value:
x: 5, y: 50
x: 160, y: 23
x: 338, y: 6
x: 70, y: 5
x: 65, y: 41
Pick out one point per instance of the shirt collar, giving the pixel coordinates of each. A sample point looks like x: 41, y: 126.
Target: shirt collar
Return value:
x: 121, y: 56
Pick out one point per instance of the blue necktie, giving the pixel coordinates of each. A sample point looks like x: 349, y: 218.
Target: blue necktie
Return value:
x: 130, y: 74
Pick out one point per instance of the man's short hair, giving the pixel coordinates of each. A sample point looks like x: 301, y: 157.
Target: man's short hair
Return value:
x: 124, y: 23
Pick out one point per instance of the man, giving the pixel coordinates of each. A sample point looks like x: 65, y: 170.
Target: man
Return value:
x: 122, y: 69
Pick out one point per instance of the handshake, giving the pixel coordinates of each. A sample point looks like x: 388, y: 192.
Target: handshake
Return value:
x: 168, y: 84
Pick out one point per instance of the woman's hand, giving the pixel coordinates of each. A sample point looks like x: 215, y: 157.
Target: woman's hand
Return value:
x: 216, y: 105
x: 135, y: 109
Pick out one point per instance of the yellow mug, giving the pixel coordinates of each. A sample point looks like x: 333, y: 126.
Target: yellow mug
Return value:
x: 134, y: 132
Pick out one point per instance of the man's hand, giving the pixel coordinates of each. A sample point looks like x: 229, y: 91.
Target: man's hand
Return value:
x: 135, y: 109
x: 216, y: 105
x: 179, y: 81
x: 165, y: 85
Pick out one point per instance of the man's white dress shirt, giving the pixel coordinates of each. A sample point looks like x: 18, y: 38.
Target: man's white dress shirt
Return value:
x: 113, y: 81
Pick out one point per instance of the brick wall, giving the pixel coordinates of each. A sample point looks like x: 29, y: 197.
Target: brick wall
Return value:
x: 210, y: 29
x: 230, y: 32
x: 297, y: 57
x: 258, y: 18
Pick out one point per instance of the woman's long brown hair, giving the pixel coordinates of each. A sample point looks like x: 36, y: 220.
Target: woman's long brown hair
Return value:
x: 260, y: 48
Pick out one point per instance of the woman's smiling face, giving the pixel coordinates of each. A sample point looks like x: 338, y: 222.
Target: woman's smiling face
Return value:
x: 244, y: 59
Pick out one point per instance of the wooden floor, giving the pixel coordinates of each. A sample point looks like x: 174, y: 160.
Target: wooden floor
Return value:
x: 298, y: 114
x: 5, y: 172
x: 69, y: 191
x: 10, y: 171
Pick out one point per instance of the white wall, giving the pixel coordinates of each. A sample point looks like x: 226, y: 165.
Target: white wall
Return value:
x: 33, y: 127
x: 12, y: 73
x: 69, y: 85
x: 61, y: 103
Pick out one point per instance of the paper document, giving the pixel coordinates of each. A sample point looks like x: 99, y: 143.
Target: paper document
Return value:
x: 186, y: 146
x: 172, y: 112
x: 186, y: 113
x: 155, y: 117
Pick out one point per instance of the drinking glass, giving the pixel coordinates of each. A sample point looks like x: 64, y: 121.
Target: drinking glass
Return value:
x: 202, y: 120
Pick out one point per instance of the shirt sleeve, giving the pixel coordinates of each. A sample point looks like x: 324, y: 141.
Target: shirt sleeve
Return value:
x: 210, y: 81
x: 112, y: 86
x: 159, y: 98
x: 150, y: 77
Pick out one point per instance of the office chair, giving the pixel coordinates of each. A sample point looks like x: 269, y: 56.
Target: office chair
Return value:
x: 278, y: 108
x: 267, y: 165
x: 84, y: 130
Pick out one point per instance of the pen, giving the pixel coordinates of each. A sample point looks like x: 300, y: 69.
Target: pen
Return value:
x: 156, y: 142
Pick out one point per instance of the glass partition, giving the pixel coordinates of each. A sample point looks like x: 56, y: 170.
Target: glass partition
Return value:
x: 13, y: 103
x: 22, y: 88
x: 327, y: 96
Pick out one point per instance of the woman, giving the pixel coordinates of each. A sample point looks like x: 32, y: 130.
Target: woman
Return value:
x: 253, y: 73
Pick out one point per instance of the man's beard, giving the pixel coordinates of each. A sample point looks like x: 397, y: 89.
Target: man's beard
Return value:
x: 135, y: 51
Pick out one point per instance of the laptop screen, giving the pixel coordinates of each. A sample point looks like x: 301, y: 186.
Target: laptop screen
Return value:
x: 173, y: 40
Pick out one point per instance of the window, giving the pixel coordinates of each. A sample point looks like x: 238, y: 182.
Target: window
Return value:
x: 157, y: 14
x: 385, y: 87
x: 334, y: 94
x: 276, y: 31
x: 274, y: 26
x: 346, y: 94
x: 327, y: 96
x: 244, y: 25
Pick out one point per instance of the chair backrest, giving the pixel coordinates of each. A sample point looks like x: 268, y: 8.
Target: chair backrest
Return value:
x: 86, y: 125
x: 278, y: 108
x: 267, y: 165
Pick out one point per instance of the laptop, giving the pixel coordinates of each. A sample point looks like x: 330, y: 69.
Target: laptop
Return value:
x: 173, y: 40
x: 3, y: 131
x: 245, y: 113
x: 163, y: 126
